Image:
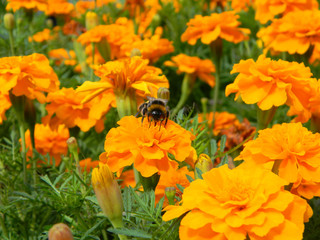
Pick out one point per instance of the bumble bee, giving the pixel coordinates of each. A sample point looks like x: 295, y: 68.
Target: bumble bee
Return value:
x: 155, y: 109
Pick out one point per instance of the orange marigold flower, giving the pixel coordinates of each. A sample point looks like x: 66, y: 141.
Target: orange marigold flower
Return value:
x: 295, y: 32
x: 293, y: 145
x: 127, y: 179
x: 267, y: 10
x: 64, y: 106
x: 239, y: 5
x: 151, y: 49
x: 36, y: 5
x: 48, y: 141
x: 61, y: 55
x: 170, y: 179
x: 42, y: 36
x: 87, y: 164
x: 271, y: 83
x: 73, y: 27
x: 307, y: 189
x: 146, y: 147
x: 27, y: 75
x: 246, y: 202
x: 209, y: 28
x: 118, y: 77
x: 5, y: 104
x: 203, y: 69
x: 59, y: 7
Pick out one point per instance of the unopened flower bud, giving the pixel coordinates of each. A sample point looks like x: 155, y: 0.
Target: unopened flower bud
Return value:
x: 8, y: 21
x: 163, y: 93
x: 91, y: 20
x: 204, y: 164
x: 170, y: 194
x: 50, y: 23
x: 135, y: 52
x: 108, y: 194
x: 60, y: 231
x: 72, y: 144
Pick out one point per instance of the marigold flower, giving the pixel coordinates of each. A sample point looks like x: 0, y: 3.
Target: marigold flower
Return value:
x: 42, y: 36
x: 87, y: 164
x: 65, y: 107
x: 267, y: 10
x: 36, y: 5
x: 239, y: 5
x: 246, y: 202
x: 61, y: 55
x: 59, y: 7
x: 307, y: 189
x: 294, y: 146
x: 209, y: 28
x: 171, y: 179
x: 271, y: 83
x: 73, y: 27
x: 27, y: 75
x: 195, y: 66
x: 48, y: 141
x: 146, y: 147
x: 5, y: 104
x: 108, y: 194
x: 127, y: 179
x: 295, y: 32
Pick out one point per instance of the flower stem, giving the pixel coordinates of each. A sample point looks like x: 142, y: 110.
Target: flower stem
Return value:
x: 92, y: 62
x: 186, y: 88
x: 265, y: 117
x: 11, y: 41
x: 23, y: 152
x: 3, y: 226
x: 119, y: 224
x: 276, y: 165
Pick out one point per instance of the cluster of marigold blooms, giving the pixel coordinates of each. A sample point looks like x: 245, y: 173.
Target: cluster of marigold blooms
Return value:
x: 264, y: 197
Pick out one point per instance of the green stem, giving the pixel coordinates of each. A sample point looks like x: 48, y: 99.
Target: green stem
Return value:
x: 265, y: 117
x: 104, y: 234
x: 92, y: 62
x: 276, y: 165
x: 126, y: 104
x: 186, y: 88
x: 3, y: 226
x: 11, y: 41
x: 23, y: 152
x: 119, y: 224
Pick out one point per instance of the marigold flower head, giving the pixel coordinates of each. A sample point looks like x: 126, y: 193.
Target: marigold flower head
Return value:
x: 171, y: 179
x: 246, y: 202
x: 5, y: 104
x: 271, y: 83
x: 295, y: 32
x: 73, y: 27
x: 65, y: 107
x: 42, y: 36
x: 59, y: 7
x: 118, y: 77
x: 267, y: 10
x: 36, y: 5
x: 146, y: 147
x: 224, y: 25
x: 307, y: 189
x: 127, y: 179
x: 27, y: 75
x: 48, y: 141
x: 61, y: 55
x: 203, y: 69
x: 239, y: 5
x: 293, y: 145
x: 87, y: 164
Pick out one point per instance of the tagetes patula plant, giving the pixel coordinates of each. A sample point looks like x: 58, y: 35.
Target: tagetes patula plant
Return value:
x: 271, y: 83
x: 35, y: 5
x: 61, y: 55
x: 59, y: 7
x: 127, y: 81
x: 48, y: 141
x: 295, y: 32
x: 292, y: 148
x: 170, y: 179
x: 239, y: 5
x: 45, y: 35
x: 5, y: 104
x: 146, y: 146
x: 240, y: 203
x: 268, y: 10
x: 223, y: 25
x: 65, y: 107
x: 30, y: 76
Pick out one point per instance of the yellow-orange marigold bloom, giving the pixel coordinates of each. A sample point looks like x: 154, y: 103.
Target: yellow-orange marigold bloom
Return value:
x: 27, y: 75
x: 5, y: 104
x: 42, y: 36
x: 126, y: 179
x: 295, y: 146
x: 146, y: 147
x: 203, y: 69
x: 61, y: 55
x: 295, y: 32
x: 36, y: 5
x: 64, y: 106
x: 118, y: 77
x: 171, y: 179
x: 224, y: 25
x: 266, y: 10
x: 307, y: 189
x: 271, y: 83
x: 48, y: 141
x: 87, y: 164
x: 151, y: 48
x: 239, y: 5
x: 233, y: 204
x: 59, y: 7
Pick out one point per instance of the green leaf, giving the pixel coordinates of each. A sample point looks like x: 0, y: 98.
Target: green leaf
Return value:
x: 159, y: 207
x: 92, y: 229
x: 213, y: 147
x: 223, y: 143
x: 131, y: 232
x: 48, y: 181
x: 199, y: 173
x: 181, y: 188
x: 190, y: 179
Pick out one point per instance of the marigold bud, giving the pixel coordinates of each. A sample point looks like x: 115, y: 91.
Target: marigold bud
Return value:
x: 108, y: 194
x: 135, y: 52
x: 203, y: 163
x: 163, y: 93
x: 72, y: 144
x: 60, y: 231
x: 8, y: 21
x: 91, y: 20
x: 170, y: 194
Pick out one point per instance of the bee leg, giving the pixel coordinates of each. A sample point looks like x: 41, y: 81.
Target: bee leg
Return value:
x: 143, y: 116
x: 155, y: 123
x: 160, y: 124
x: 149, y: 120
x: 167, y: 117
